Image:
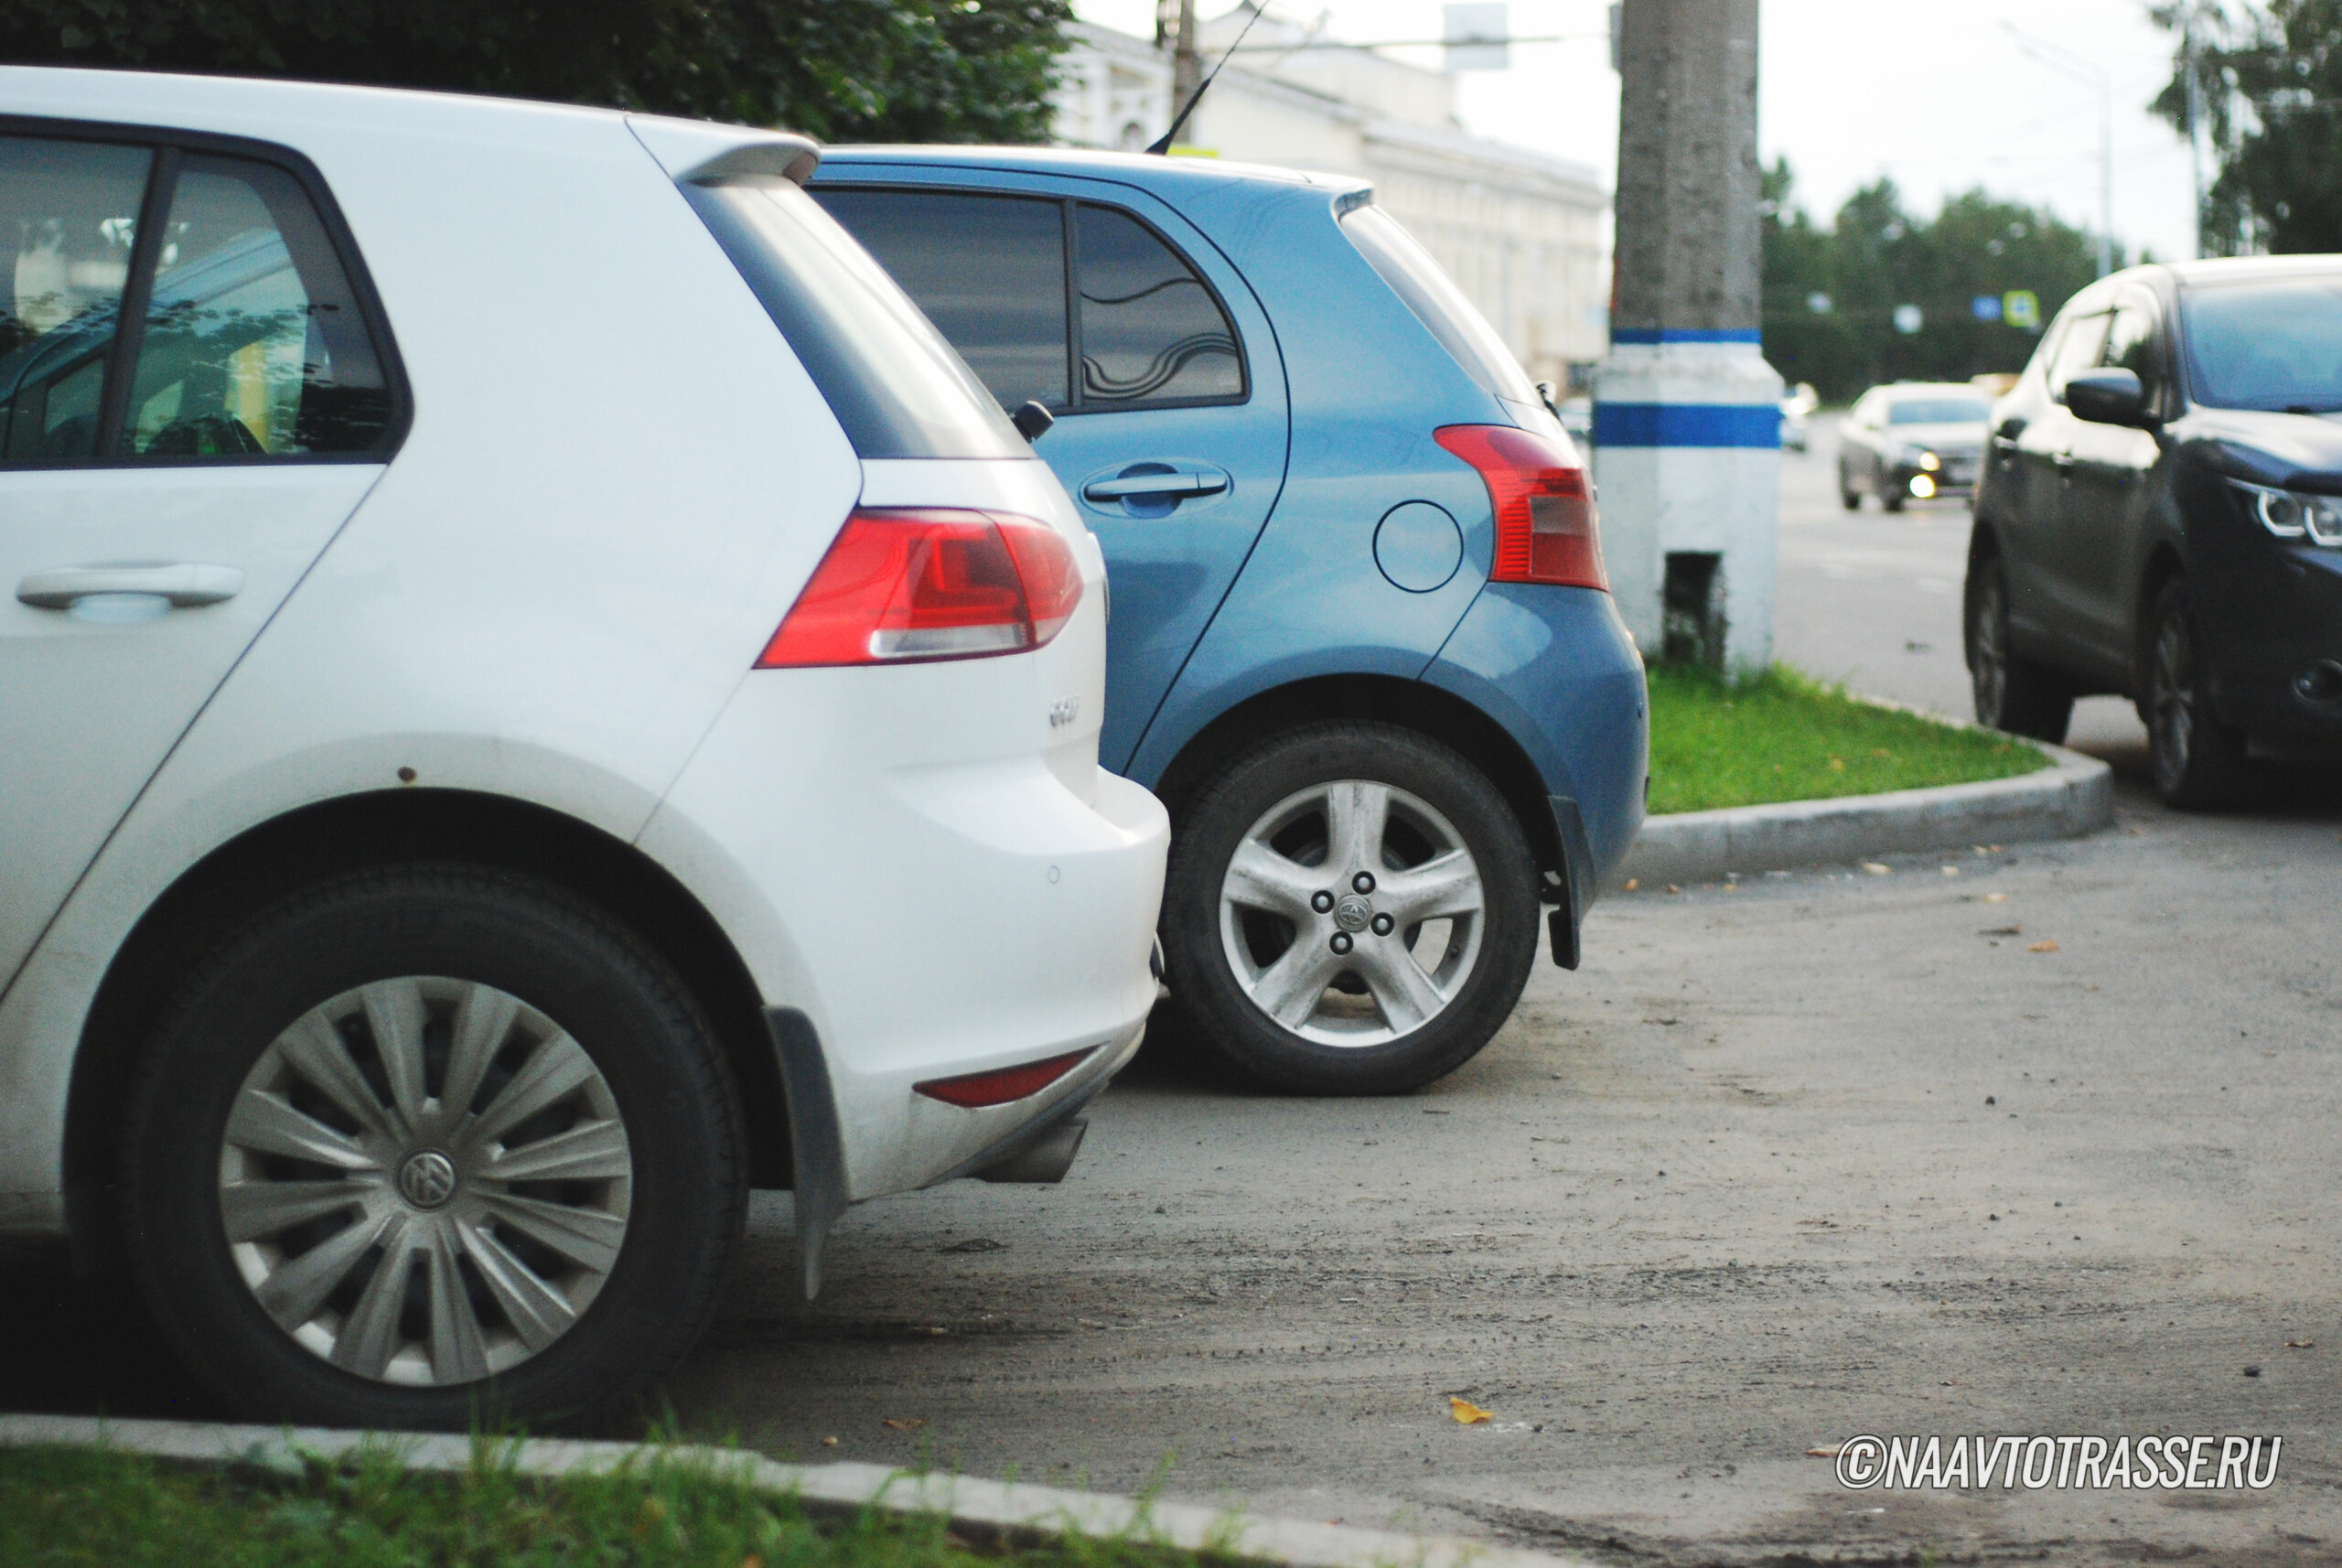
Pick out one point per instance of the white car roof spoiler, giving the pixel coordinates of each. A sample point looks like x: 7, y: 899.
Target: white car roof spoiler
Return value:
x: 702, y: 150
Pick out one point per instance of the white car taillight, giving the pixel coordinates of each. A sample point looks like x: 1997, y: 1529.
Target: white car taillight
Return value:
x: 1546, y: 527
x: 905, y: 584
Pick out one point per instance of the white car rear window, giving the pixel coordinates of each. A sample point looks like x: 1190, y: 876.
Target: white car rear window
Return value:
x: 899, y: 390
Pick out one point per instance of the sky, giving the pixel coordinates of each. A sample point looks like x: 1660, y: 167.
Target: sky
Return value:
x: 1936, y: 94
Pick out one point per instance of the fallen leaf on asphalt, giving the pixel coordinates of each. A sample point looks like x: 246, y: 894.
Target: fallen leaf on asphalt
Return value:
x: 1996, y: 897
x: 1830, y: 1452
x: 1466, y: 1412
x: 1672, y: 889
x: 908, y: 1424
x: 2301, y: 1344
x: 1874, y: 868
x: 829, y: 1442
x: 1633, y: 883
x: 1951, y: 871
x: 2002, y: 931
x: 975, y: 1244
x: 2048, y: 944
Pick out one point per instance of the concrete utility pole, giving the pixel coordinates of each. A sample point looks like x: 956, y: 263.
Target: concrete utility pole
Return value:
x: 1175, y: 23
x: 1687, y: 413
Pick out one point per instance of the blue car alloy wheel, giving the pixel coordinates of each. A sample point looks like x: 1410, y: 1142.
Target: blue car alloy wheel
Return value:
x: 1343, y: 915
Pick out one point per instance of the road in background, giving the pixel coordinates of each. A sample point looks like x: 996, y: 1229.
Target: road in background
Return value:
x: 1872, y: 598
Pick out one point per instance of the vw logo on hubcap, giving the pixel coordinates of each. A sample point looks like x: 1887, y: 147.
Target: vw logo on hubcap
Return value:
x: 429, y: 1179
x: 1352, y: 913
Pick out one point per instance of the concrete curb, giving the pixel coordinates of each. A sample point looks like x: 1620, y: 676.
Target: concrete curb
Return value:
x: 981, y: 1509
x: 2071, y: 798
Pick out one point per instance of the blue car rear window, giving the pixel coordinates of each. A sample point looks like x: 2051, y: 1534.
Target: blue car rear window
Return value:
x: 1414, y: 277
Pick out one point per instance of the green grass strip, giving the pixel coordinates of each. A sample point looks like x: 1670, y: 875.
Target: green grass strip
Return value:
x: 1784, y: 735
x: 72, y: 1507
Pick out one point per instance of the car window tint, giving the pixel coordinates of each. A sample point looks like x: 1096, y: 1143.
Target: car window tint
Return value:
x: 896, y: 384
x: 2132, y: 344
x: 988, y: 269
x: 2269, y: 344
x: 253, y: 345
x: 1151, y: 330
x: 71, y: 208
x: 1402, y: 263
x: 2076, y: 352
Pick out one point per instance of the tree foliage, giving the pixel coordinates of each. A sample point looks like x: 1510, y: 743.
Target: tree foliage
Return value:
x: 915, y: 70
x: 2263, y: 86
x: 1877, y: 256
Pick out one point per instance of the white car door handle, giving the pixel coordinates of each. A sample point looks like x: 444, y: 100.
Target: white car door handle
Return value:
x: 182, y: 583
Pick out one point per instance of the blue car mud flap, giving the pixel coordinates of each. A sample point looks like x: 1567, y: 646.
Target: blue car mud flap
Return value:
x: 1577, y: 867
x: 815, y: 1139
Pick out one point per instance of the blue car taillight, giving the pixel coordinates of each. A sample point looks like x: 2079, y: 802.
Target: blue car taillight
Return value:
x: 1547, y: 531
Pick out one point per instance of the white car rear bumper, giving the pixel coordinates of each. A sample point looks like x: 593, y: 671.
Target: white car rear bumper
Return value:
x: 927, y: 918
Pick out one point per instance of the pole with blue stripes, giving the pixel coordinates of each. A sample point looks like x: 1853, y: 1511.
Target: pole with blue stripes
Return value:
x: 1686, y: 411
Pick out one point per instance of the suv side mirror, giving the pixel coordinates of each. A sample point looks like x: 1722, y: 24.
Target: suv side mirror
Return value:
x: 2109, y: 397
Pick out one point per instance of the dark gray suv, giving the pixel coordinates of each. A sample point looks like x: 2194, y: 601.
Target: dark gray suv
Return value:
x: 2160, y: 516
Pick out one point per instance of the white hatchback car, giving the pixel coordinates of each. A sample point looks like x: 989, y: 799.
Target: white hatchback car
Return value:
x: 539, y: 695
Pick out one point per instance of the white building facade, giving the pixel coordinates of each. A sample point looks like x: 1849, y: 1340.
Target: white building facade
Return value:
x: 1523, y: 234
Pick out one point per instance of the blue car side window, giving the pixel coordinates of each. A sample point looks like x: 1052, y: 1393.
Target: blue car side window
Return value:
x: 1152, y: 333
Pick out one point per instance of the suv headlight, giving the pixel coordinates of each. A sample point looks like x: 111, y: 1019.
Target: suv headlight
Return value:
x: 2291, y: 514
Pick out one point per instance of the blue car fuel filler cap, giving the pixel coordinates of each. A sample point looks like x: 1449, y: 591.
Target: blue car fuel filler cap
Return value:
x: 1418, y: 546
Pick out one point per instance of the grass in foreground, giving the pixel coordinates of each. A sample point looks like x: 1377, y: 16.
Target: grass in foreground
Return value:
x: 1787, y: 737
x: 63, y: 1508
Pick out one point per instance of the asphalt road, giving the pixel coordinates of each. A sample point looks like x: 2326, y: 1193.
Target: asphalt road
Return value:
x: 1824, y: 1153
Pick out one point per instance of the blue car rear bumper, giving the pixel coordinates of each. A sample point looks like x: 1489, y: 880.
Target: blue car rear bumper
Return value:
x: 1556, y: 667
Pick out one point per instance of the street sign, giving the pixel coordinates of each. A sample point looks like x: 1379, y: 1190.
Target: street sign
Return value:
x: 1475, y: 35
x: 1908, y: 320
x: 1986, y: 306
x: 2022, y: 307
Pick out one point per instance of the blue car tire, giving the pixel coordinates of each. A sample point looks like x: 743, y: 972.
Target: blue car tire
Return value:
x: 1350, y: 909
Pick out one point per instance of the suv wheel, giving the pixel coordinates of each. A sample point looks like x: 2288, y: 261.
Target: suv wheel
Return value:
x: 1847, y: 496
x: 430, y: 1146
x: 1350, y: 910
x: 2011, y: 695
x: 2198, y: 761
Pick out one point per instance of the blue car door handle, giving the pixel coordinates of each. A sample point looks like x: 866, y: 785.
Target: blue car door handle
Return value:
x: 1127, y: 487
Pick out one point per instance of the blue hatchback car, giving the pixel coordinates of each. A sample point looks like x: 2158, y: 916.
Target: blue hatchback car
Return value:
x: 1360, y: 642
